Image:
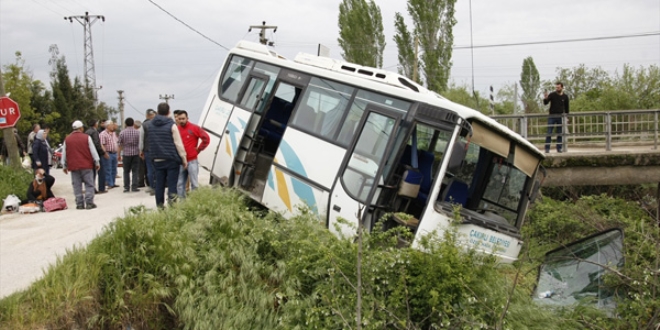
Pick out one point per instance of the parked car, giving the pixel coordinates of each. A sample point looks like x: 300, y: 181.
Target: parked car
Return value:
x: 57, y: 157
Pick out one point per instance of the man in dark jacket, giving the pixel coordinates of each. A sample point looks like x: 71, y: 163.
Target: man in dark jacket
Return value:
x: 167, y: 154
x: 79, y: 157
x: 144, y: 150
x: 93, y: 132
x: 558, y: 107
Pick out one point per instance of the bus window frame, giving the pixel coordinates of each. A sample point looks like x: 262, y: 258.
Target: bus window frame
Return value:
x: 251, y: 76
x: 225, y: 71
x: 398, y: 120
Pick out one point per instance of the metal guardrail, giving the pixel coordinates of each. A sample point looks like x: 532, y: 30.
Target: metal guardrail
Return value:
x: 590, y: 129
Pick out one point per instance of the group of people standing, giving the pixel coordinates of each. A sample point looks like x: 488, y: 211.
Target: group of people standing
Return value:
x: 170, y: 149
x: 167, y: 150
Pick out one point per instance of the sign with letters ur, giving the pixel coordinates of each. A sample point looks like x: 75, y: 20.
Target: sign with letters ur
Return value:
x: 9, y: 113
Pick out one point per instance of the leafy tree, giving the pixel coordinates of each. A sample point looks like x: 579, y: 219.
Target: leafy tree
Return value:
x: 361, y: 32
x: 462, y: 94
x: 63, y: 97
x: 633, y: 89
x: 506, y: 99
x: 404, y: 42
x: 433, y: 22
x: 18, y: 81
x: 530, y: 82
x: 42, y: 104
x: 71, y: 101
x: 580, y: 80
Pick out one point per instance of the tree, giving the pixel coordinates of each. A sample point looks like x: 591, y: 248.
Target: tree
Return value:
x: 506, y: 99
x: 530, y: 82
x: 433, y: 22
x: 18, y: 82
x: 580, y: 80
x: 407, y: 57
x: 71, y: 100
x: 462, y: 94
x: 361, y: 32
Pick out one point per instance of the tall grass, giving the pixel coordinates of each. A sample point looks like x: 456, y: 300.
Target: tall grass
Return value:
x: 215, y: 262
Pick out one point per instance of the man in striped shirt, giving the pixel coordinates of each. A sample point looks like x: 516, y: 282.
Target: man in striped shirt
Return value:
x: 109, y: 142
x: 129, y: 153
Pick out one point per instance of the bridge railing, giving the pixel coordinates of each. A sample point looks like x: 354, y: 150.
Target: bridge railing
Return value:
x: 595, y: 129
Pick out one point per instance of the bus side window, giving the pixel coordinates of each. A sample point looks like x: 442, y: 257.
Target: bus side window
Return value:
x: 322, y: 107
x: 233, y: 79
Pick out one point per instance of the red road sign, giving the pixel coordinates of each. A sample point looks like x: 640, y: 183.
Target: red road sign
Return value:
x: 9, y: 113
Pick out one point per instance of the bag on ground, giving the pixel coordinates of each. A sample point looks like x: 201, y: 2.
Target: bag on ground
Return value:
x: 29, y: 208
x: 11, y: 204
x: 54, y: 204
x: 27, y: 163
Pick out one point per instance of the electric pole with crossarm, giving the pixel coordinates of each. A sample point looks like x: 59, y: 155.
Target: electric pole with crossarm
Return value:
x: 90, y: 75
x: 262, y: 34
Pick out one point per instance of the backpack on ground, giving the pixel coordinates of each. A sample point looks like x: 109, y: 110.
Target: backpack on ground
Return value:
x: 54, y: 204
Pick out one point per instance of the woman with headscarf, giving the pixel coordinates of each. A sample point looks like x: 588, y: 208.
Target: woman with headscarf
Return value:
x: 40, y: 188
x: 40, y: 151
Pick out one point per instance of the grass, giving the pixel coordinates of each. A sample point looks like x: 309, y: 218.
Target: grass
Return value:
x: 215, y: 262
x: 14, y: 182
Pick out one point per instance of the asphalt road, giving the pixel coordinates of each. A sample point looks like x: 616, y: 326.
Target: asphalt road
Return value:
x: 30, y: 242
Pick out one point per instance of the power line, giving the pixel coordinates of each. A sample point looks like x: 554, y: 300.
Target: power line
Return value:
x: 624, y: 36
x: 188, y: 26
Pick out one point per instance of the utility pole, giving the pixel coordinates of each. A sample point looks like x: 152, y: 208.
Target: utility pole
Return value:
x: 492, y: 101
x: 121, y: 107
x: 8, y: 137
x: 262, y: 35
x: 90, y: 75
x: 416, y: 64
x: 166, y: 97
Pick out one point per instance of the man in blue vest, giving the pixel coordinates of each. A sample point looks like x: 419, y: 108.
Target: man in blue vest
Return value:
x: 167, y: 154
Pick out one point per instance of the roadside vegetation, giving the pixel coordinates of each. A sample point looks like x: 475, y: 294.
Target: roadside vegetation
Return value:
x: 216, y: 262
x: 13, y: 182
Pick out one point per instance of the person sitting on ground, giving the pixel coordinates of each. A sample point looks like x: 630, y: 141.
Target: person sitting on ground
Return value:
x: 39, y: 189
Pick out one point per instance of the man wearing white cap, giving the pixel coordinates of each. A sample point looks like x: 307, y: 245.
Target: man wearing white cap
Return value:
x: 79, y: 157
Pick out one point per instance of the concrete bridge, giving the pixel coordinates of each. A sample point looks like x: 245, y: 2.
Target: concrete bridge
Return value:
x: 601, y: 148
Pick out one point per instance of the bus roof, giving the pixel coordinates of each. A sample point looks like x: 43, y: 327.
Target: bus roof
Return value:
x: 375, y: 79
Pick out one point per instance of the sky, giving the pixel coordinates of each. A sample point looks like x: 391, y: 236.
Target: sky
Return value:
x: 148, y: 54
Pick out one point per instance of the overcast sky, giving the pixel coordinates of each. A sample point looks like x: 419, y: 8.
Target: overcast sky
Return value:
x: 147, y: 53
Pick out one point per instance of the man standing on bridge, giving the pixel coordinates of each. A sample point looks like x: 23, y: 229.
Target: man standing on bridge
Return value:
x: 558, y: 106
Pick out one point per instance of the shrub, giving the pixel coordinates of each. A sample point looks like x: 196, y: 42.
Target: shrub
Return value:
x: 14, y: 182
x: 214, y: 262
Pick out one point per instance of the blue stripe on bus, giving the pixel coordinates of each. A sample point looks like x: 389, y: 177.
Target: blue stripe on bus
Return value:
x: 233, y: 130
x: 293, y: 163
x: 271, y: 182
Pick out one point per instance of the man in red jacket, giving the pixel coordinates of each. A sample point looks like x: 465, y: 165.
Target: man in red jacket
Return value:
x: 79, y: 157
x: 191, y: 135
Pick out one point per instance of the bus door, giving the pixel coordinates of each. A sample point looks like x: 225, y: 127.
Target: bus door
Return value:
x: 270, y: 123
x: 240, y: 130
x: 356, y: 187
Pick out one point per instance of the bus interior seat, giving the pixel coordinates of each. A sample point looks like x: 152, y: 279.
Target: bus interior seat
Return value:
x: 276, y: 119
x: 306, y: 117
x: 456, y: 192
x: 425, y: 165
x: 426, y: 159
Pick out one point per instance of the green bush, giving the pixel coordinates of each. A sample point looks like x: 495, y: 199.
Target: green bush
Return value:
x: 14, y: 182
x: 213, y: 262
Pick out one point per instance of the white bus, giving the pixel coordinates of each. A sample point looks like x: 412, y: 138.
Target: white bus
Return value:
x: 345, y: 140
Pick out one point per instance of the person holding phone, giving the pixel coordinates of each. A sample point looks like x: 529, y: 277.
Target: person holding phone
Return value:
x: 559, y: 106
